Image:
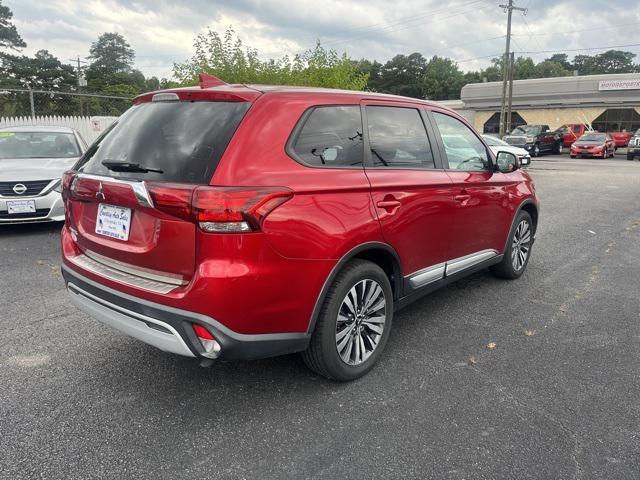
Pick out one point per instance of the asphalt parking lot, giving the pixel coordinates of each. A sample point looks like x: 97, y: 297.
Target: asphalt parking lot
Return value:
x: 557, y: 398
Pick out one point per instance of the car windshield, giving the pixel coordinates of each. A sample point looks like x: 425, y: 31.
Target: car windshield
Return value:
x: 38, y: 145
x: 593, y: 137
x: 526, y: 130
x: 493, y: 141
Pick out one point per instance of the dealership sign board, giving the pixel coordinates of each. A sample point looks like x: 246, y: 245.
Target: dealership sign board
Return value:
x: 619, y: 84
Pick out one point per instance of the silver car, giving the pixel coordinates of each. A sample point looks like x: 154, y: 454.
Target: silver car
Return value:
x: 32, y: 161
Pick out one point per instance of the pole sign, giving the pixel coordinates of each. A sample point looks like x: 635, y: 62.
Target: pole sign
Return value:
x: 619, y: 84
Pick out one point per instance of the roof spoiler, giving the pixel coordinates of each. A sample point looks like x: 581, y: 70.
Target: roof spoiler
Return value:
x: 208, y: 81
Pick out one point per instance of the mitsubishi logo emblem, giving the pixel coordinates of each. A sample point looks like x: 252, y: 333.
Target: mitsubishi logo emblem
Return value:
x: 19, y: 188
x: 99, y: 195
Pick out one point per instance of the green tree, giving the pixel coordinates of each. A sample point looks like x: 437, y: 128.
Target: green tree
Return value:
x: 548, y: 69
x: 230, y: 60
x: 9, y: 36
x: 111, y: 53
x: 442, y: 79
x: 403, y: 75
x: 562, y: 59
x: 43, y: 71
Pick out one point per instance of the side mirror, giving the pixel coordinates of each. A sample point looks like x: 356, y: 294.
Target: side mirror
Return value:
x: 507, y: 162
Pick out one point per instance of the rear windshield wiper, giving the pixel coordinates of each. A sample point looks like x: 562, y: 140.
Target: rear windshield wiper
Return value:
x: 128, y: 167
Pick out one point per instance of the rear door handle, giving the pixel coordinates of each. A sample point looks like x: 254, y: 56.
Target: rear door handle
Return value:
x: 463, y: 197
x: 388, y: 204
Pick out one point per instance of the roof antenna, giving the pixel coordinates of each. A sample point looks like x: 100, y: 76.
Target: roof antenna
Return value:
x: 208, y: 81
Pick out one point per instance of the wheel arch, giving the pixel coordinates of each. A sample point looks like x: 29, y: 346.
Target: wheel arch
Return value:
x: 379, y: 253
x: 532, y: 209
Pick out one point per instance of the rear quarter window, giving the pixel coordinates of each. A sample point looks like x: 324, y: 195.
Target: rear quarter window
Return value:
x: 185, y: 140
x: 329, y: 136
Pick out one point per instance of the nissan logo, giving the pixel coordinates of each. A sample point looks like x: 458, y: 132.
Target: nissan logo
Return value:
x: 19, y: 188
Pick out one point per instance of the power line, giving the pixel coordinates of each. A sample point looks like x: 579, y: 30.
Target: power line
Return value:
x: 405, y: 20
x: 629, y: 45
x: 393, y: 29
x: 613, y: 27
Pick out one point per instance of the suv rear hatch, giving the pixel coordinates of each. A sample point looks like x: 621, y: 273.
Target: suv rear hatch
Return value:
x: 129, y: 199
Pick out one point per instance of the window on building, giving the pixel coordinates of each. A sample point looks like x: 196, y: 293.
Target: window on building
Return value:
x: 616, y: 120
x: 493, y: 124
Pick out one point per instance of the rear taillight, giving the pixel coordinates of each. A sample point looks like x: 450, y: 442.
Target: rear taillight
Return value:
x: 235, y: 209
x: 219, y: 209
x: 67, y: 179
x: 65, y: 189
x: 172, y: 198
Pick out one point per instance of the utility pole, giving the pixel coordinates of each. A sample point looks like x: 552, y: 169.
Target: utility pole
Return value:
x: 509, y: 9
x: 82, y: 82
x: 511, y: 70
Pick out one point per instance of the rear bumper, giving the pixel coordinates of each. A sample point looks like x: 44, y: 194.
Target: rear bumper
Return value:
x: 170, y: 329
x: 49, y: 208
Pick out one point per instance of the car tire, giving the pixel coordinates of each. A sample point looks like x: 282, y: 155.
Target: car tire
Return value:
x: 535, y: 152
x: 328, y: 354
x: 519, y: 245
x: 629, y: 156
x: 557, y: 149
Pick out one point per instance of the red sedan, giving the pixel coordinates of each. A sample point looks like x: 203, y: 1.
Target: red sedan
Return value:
x: 593, y: 144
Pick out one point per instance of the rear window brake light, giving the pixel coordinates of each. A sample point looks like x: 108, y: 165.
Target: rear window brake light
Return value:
x: 165, y: 97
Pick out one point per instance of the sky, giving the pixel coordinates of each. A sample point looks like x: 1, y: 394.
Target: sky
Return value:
x: 469, y: 31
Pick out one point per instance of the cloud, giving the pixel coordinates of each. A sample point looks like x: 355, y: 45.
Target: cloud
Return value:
x: 469, y: 31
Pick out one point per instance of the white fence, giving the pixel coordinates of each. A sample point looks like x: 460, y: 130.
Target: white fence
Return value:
x: 89, y: 127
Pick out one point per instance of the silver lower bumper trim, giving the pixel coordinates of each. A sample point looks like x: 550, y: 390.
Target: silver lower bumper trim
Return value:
x: 146, y: 329
x: 107, y: 271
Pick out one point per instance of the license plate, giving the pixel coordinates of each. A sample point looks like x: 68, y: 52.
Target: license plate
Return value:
x: 21, y: 206
x: 113, y: 221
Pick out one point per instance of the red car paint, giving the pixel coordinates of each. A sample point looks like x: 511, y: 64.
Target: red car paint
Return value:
x: 621, y: 139
x: 571, y: 132
x: 270, y: 280
x: 583, y: 147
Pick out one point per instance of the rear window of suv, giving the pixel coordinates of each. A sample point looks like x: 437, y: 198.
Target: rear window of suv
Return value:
x: 184, y: 140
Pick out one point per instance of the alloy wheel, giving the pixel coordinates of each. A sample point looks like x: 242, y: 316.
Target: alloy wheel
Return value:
x: 521, y: 245
x: 361, y: 322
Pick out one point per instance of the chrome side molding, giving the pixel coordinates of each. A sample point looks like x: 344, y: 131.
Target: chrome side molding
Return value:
x: 437, y: 272
x: 458, y: 264
x: 139, y: 187
x: 427, y: 275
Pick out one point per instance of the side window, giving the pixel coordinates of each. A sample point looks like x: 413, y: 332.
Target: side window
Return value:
x: 331, y: 137
x: 398, y: 138
x: 576, y: 129
x: 462, y: 147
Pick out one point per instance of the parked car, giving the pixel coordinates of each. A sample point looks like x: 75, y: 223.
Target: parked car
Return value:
x: 239, y: 222
x: 571, y: 132
x: 496, y: 145
x: 32, y: 161
x: 536, y: 139
x: 593, y: 144
x: 621, y: 139
x: 633, y: 149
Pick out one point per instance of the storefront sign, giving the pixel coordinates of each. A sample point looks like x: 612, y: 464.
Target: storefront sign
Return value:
x: 619, y: 84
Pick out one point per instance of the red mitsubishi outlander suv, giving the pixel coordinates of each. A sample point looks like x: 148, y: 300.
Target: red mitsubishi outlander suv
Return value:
x: 244, y: 221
